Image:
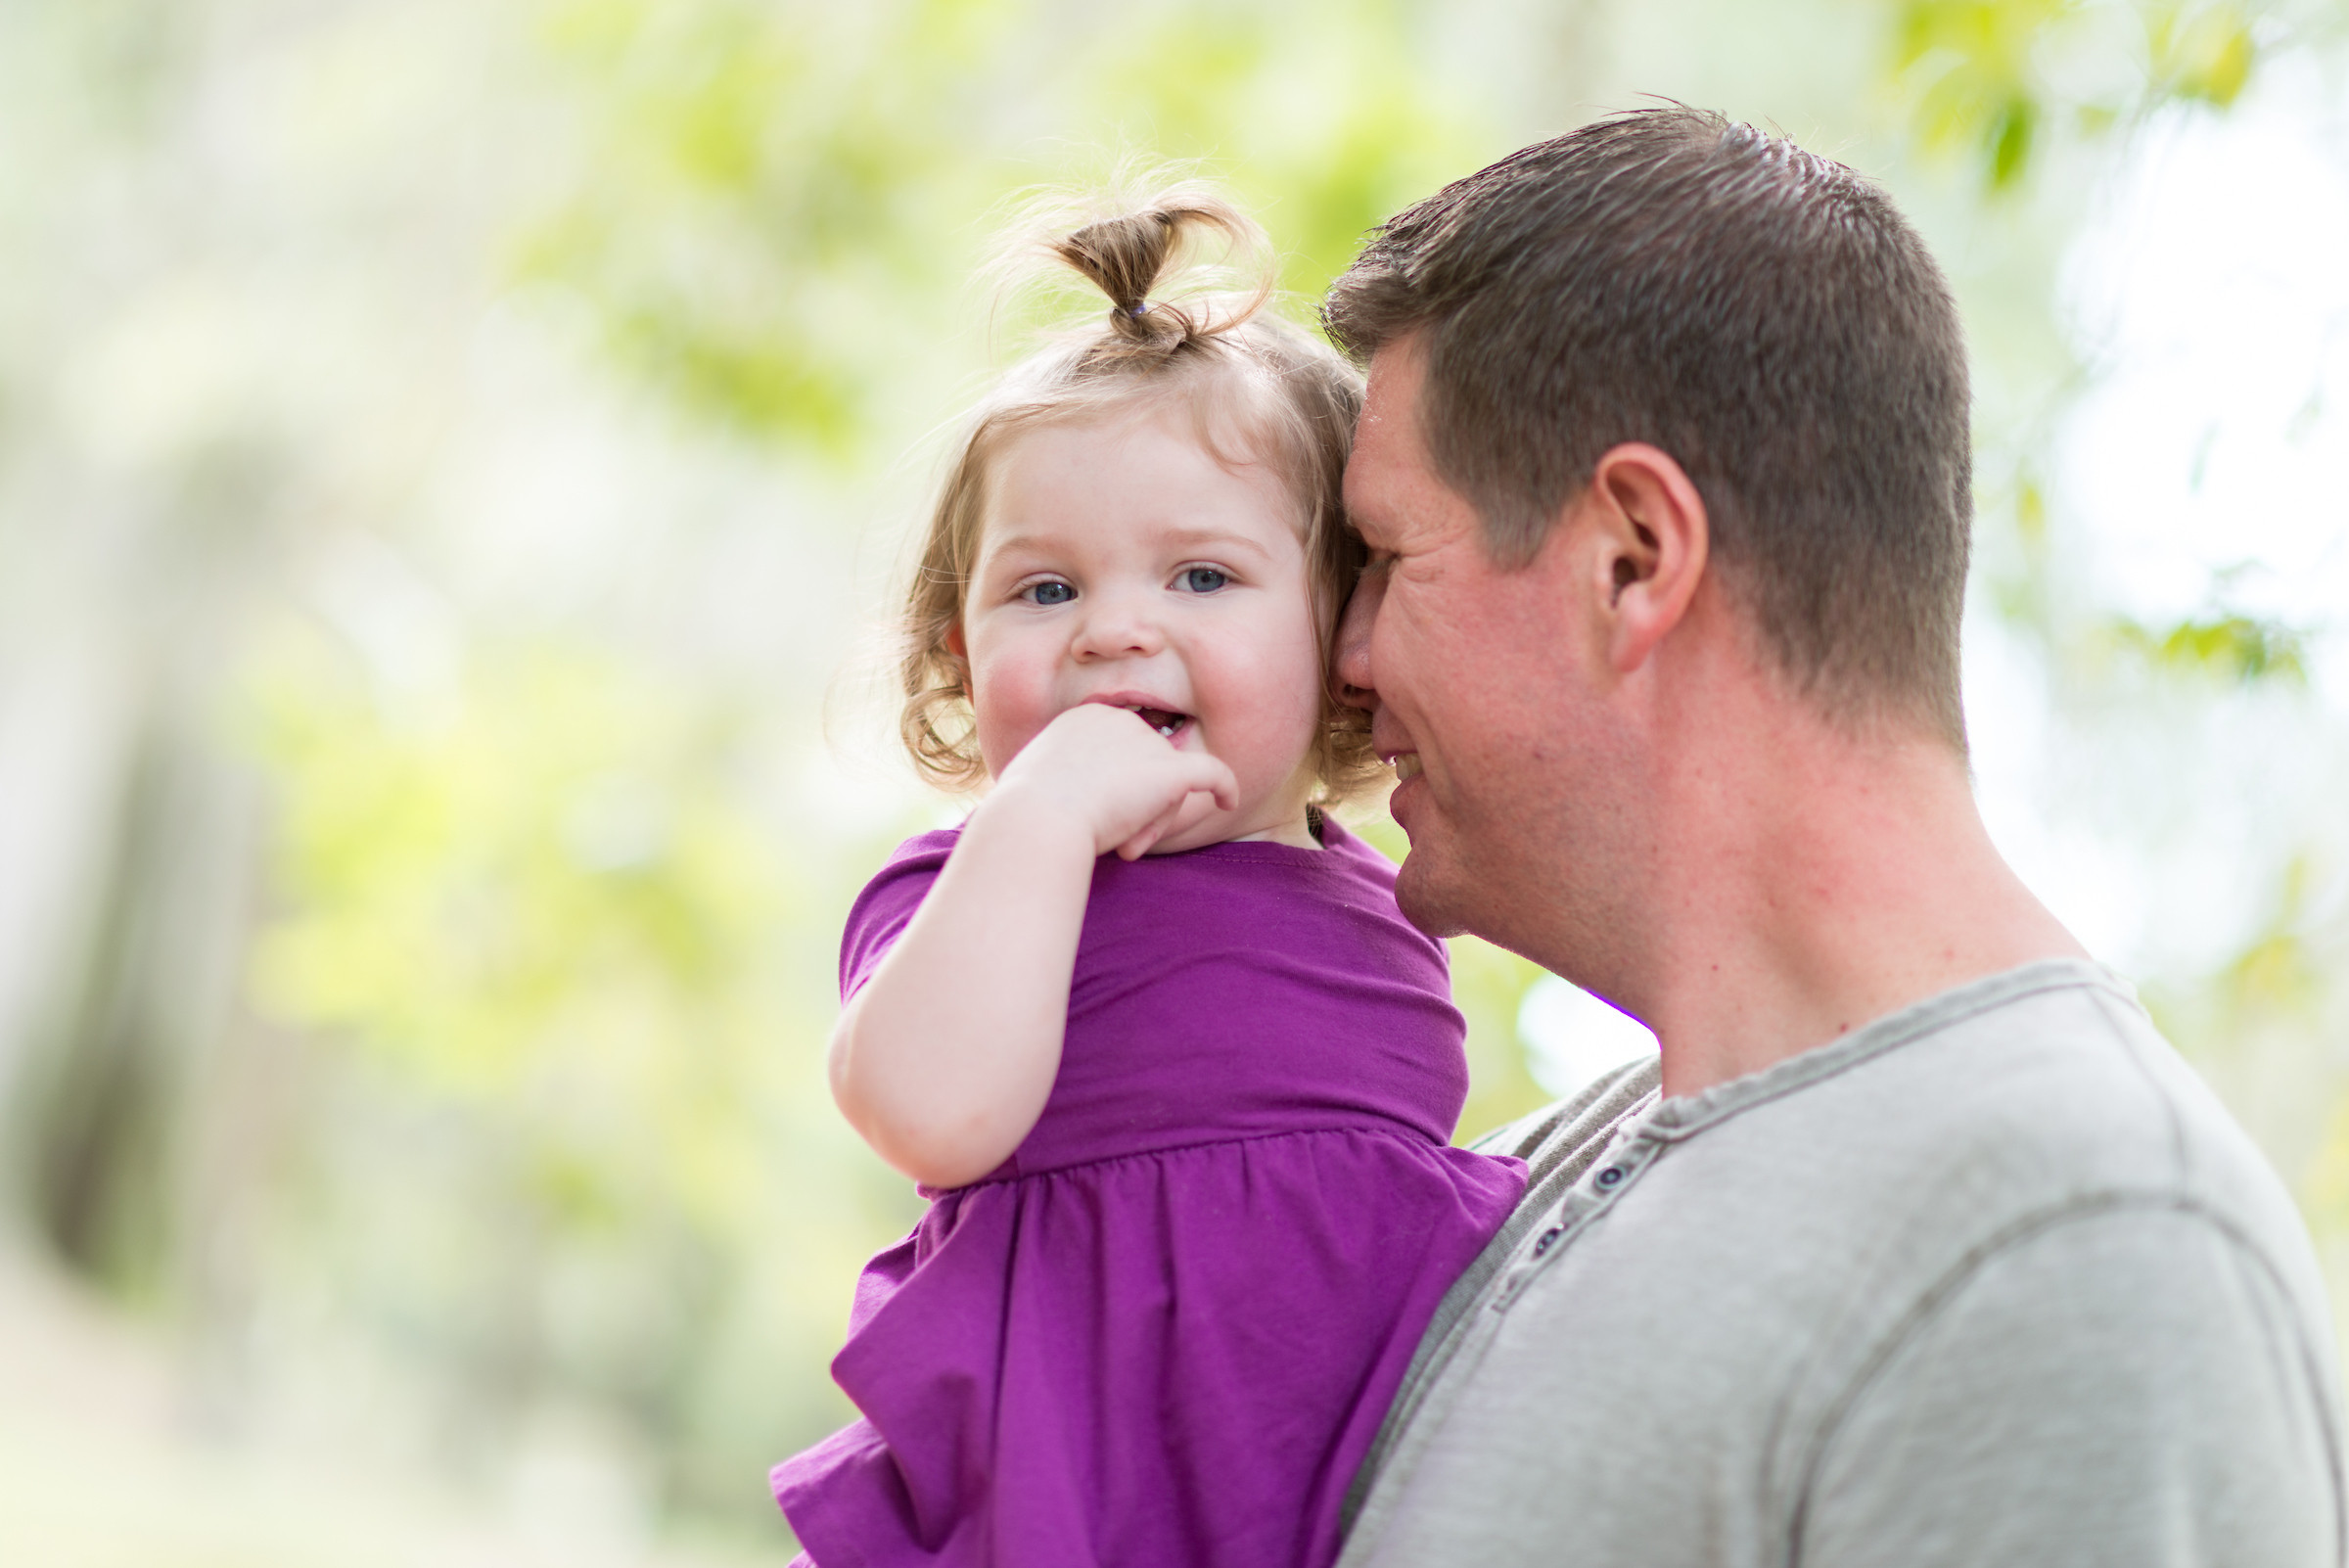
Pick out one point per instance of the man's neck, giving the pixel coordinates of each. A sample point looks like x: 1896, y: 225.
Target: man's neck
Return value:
x: 1841, y: 880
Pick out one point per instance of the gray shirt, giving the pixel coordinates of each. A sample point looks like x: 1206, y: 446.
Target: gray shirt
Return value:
x: 1992, y: 1280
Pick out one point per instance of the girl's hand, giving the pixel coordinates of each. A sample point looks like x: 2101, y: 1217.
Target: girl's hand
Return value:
x: 1105, y: 770
x: 947, y: 1057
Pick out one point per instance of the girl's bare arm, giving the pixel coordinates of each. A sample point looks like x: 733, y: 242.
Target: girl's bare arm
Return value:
x: 945, y: 1059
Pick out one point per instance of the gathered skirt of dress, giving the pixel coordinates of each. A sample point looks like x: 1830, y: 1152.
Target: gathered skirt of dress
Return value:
x: 1177, y: 1357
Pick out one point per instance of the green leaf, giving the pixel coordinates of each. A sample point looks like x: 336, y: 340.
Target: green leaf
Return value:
x: 2228, y: 647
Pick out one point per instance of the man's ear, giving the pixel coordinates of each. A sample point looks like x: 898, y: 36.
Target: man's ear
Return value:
x: 1653, y: 538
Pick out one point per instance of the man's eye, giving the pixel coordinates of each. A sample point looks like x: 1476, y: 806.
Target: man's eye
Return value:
x: 1050, y: 593
x: 1204, y: 579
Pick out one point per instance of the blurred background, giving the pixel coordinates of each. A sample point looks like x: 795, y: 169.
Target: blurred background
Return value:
x: 453, y: 461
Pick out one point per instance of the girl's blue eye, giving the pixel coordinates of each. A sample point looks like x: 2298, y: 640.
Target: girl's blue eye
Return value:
x: 1052, y: 593
x: 1204, y: 579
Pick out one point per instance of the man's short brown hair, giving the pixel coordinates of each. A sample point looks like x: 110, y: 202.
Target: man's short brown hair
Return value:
x: 1764, y: 315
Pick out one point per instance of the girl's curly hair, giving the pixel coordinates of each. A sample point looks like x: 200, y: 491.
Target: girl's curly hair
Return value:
x: 1257, y: 391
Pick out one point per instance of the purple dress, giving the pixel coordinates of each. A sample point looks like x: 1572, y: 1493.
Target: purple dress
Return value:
x: 1165, y: 1332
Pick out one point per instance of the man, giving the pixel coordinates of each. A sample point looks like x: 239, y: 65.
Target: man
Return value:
x: 1930, y: 1250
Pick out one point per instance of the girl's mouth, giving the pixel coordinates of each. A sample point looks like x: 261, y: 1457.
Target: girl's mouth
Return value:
x: 1165, y: 721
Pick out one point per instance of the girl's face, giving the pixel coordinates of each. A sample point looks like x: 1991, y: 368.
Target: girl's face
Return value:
x: 1122, y: 563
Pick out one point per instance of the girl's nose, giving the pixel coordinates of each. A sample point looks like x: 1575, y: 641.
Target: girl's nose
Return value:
x: 1117, y: 626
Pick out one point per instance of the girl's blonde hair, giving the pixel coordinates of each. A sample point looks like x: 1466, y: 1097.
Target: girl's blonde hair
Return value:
x: 1257, y: 390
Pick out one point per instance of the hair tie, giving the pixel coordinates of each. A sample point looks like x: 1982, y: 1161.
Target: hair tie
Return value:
x: 1136, y: 311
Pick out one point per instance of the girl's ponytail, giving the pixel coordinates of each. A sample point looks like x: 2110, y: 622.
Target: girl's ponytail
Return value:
x: 1140, y: 261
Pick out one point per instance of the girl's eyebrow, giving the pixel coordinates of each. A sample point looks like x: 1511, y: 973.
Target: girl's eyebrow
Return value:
x: 1188, y: 538
x: 1221, y: 538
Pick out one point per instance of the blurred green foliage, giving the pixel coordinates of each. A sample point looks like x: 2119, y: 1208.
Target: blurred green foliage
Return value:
x: 778, y: 202
x: 540, y: 907
x: 540, y: 893
x: 2230, y: 647
x: 1988, y: 75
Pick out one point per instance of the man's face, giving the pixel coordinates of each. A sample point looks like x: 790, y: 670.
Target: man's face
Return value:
x: 1491, y: 691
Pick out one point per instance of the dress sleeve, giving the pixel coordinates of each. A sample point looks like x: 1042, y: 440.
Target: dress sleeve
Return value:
x: 880, y: 912
x: 2128, y: 1385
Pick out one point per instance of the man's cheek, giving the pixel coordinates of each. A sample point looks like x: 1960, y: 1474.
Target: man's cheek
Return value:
x: 1391, y: 646
x: 1426, y: 656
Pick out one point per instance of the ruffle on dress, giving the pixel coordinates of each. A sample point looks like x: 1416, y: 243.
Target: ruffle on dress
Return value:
x: 1177, y: 1357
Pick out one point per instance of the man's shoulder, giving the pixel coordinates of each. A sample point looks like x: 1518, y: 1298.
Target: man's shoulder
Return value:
x: 2050, y: 1075
x: 1998, y: 1180
x: 2041, y: 1103
x: 2034, y: 1087
x: 2025, y: 1088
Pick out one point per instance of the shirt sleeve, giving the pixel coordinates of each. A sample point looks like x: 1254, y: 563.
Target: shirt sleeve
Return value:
x: 2124, y: 1384
x: 886, y: 907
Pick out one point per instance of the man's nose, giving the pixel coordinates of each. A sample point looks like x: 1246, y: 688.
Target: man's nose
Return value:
x: 1117, y: 625
x: 1356, y: 684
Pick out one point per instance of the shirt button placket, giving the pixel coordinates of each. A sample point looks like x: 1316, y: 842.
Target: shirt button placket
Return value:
x: 1603, y: 1186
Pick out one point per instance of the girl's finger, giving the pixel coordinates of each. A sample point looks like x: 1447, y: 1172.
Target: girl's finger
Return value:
x: 1133, y: 849
x: 1211, y: 785
x: 1214, y: 777
x: 1196, y: 808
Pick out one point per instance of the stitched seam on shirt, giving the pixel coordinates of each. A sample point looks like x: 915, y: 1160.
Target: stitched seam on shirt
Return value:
x: 1563, y: 1181
x: 1556, y: 1116
x: 1479, y: 1328
x: 1449, y: 1335
x: 1962, y: 1273
x: 2130, y: 1050
x: 1805, y: 1070
x: 1436, y: 1403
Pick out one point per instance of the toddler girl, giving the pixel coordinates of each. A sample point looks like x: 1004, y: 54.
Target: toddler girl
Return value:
x: 1182, y: 1109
